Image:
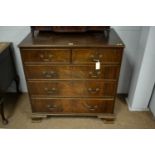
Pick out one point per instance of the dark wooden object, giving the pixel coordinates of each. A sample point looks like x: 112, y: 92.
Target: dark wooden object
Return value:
x: 61, y: 74
x: 7, y: 74
x: 67, y: 29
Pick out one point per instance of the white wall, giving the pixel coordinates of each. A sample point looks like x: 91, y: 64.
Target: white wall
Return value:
x: 15, y: 34
x: 130, y: 36
x: 138, y: 63
x: 139, y: 96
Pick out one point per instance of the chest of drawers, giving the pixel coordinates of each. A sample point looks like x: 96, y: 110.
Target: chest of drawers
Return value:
x: 62, y: 77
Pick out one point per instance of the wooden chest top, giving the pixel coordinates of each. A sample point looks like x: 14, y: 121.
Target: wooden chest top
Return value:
x: 107, y: 38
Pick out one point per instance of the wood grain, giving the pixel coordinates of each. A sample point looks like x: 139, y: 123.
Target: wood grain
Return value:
x: 107, y: 72
x: 72, y: 88
x: 61, y: 74
x: 58, y: 105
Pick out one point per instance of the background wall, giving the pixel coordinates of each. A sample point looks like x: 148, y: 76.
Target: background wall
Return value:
x: 15, y: 34
x: 144, y: 75
x: 130, y: 36
x: 135, y: 74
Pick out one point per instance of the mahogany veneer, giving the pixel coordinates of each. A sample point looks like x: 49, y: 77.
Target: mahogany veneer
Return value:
x: 61, y: 74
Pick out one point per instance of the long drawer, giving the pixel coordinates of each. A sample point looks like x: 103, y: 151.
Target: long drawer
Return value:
x: 71, y: 72
x: 32, y: 56
x: 76, y: 88
x: 66, y: 105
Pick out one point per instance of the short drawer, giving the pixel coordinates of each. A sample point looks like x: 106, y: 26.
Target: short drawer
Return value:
x: 67, y: 105
x: 71, y: 72
x: 72, y: 88
x: 46, y: 56
x: 104, y: 55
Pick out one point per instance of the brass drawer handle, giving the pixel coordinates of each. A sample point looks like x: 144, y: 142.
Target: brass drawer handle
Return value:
x: 50, y: 91
x: 51, y: 107
x: 48, y: 58
x: 100, y: 56
x: 93, y: 91
x: 91, y: 107
x: 94, y: 74
x: 48, y: 74
x: 96, y: 58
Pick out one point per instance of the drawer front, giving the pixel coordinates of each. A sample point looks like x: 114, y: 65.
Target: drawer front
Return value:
x: 48, y: 72
x: 72, y: 105
x: 71, y: 72
x: 105, y: 56
x: 89, y: 72
x: 72, y: 88
x: 46, y: 56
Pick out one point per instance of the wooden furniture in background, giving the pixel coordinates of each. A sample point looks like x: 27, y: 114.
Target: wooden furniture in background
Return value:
x: 68, y: 29
x: 62, y: 77
x: 7, y: 74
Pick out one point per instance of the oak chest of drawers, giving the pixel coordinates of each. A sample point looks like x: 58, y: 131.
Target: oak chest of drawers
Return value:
x: 72, y: 73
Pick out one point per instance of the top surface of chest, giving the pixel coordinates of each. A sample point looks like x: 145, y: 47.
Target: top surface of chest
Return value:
x: 87, y: 39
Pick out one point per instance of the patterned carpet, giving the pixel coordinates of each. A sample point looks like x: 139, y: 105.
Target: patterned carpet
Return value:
x: 18, y: 112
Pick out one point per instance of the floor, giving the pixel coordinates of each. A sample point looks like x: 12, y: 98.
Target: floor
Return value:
x: 18, y: 112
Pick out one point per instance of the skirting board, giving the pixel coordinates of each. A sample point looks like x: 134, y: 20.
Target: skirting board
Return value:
x: 152, y: 114
x: 135, y: 109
